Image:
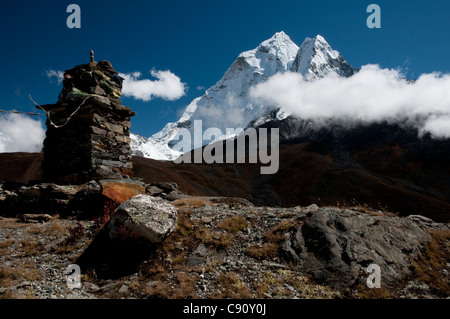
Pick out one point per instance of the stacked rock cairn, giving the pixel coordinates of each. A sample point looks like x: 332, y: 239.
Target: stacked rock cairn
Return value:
x: 88, y: 129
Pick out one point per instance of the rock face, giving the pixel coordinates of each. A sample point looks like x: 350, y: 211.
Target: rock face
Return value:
x: 88, y: 128
x: 143, y: 218
x: 336, y: 246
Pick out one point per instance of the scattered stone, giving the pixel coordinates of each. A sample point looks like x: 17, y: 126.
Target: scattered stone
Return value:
x: 35, y: 218
x: 174, y: 195
x: 206, y: 219
x: 420, y: 218
x: 194, y: 260
x: 24, y: 284
x: 123, y: 289
x: 92, y: 287
x: 165, y: 186
x: 317, y: 254
x: 153, y: 190
x: 417, y: 287
x: 108, y: 287
x: 311, y: 208
x: 152, y: 283
x: 290, y: 287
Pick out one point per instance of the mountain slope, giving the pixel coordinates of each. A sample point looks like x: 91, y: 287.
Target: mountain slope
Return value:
x: 398, y: 172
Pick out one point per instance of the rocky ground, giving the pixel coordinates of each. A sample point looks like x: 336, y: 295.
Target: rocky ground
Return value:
x: 228, y: 248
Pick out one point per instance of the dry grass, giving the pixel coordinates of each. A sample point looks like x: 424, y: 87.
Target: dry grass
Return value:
x: 233, y: 224
x: 378, y: 210
x: 158, y: 290
x: 217, y: 239
x: 276, y: 282
x: 12, y: 275
x: 285, y: 226
x: 11, y: 295
x: 174, y: 250
x: 232, y: 286
x: 266, y: 251
x: 433, y: 261
x: 29, y: 247
x: 181, y: 236
x: 261, y: 288
x: 154, y: 271
x: 55, y: 228
x: 184, y: 288
x: 273, y: 241
x: 11, y: 223
x: 378, y: 293
x: 173, y: 253
x: 6, y: 244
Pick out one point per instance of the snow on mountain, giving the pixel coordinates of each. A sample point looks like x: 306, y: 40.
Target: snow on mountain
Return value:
x: 227, y: 104
x: 149, y: 148
x: 315, y: 59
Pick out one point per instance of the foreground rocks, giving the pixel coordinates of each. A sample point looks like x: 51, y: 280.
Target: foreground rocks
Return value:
x: 336, y: 246
x: 228, y: 248
x: 85, y: 200
x: 145, y: 218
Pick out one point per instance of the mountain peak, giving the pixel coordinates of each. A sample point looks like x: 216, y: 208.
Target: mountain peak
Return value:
x: 279, y: 35
x: 272, y: 55
x: 279, y: 40
x: 316, y: 58
x: 320, y: 39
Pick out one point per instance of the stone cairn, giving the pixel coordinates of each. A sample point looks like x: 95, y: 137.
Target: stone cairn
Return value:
x: 88, y: 129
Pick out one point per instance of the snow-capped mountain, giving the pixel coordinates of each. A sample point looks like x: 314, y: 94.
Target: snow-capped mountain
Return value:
x: 227, y: 103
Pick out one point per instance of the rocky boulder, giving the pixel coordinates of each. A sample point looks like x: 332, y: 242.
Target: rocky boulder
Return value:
x: 336, y: 246
x: 143, y: 218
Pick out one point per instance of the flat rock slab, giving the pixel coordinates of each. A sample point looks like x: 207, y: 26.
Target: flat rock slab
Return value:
x: 35, y: 218
x: 143, y: 218
x: 336, y: 246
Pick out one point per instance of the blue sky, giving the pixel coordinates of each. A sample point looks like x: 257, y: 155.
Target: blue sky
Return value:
x: 198, y: 41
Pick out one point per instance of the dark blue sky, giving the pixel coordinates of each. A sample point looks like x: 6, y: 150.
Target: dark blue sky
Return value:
x: 198, y: 41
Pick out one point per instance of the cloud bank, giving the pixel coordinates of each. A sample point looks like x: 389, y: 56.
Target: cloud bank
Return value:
x: 371, y: 95
x: 168, y: 86
x: 19, y: 133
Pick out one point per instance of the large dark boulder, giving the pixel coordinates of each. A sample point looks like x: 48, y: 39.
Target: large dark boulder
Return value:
x: 337, y: 245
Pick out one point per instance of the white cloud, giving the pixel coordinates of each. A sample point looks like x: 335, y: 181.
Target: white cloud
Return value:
x: 371, y: 95
x: 19, y: 133
x: 168, y: 86
x: 59, y: 75
x: 229, y: 112
x: 437, y: 126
